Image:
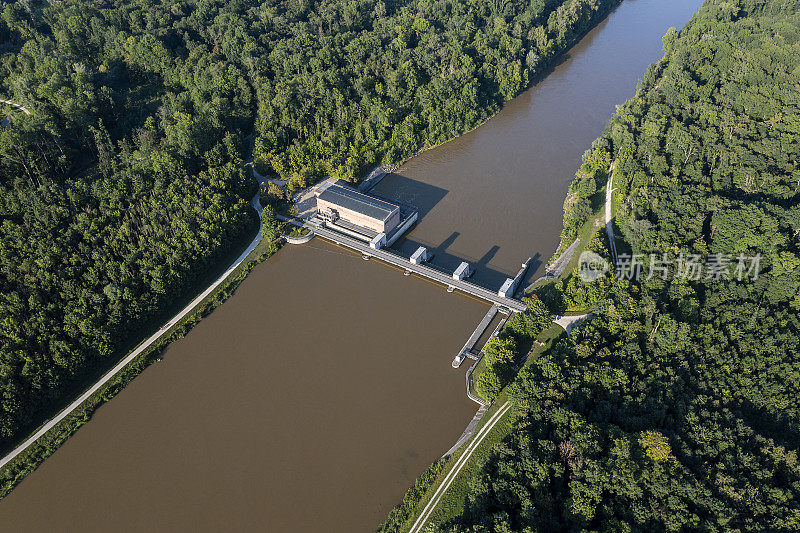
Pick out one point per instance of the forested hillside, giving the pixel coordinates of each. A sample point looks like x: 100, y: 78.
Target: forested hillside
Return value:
x: 126, y: 182
x: 355, y: 83
x: 678, y: 406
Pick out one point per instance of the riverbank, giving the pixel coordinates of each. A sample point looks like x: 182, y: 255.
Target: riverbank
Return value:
x: 450, y: 502
x: 23, y: 459
x: 259, y: 407
x: 544, y: 69
x: 440, y: 493
x: 557, y: 52
x: 446, y: 483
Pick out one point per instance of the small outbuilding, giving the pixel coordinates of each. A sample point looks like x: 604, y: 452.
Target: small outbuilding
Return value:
x: 463, y: 271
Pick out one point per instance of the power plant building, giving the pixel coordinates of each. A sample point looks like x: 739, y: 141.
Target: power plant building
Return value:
x: 336, y: 202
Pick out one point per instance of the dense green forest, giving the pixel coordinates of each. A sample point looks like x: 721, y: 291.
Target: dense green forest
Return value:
x: 678, y: 406
x: 126, y: 183
x: 355, y: 83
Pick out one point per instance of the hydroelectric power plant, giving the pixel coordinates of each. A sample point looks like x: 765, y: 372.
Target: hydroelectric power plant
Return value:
x: 370, y: 225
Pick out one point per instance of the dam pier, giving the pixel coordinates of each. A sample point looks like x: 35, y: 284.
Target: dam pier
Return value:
x: 422, y: 269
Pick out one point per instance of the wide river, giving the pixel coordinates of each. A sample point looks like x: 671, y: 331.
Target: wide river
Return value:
x: 313, y: 398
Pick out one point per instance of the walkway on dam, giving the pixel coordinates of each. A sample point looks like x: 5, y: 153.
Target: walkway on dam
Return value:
x: 423, y: 270
x: 482, y: 325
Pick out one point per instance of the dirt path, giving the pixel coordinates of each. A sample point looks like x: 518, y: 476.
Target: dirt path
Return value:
x: 451, y: 476
x: 16, y: 105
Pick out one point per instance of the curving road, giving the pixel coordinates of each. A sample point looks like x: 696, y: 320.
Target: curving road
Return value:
x: 139, y: 349
x: 16, y: 105
x: 448, y: 480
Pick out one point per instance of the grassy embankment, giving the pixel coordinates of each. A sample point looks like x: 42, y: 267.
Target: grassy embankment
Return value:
x: 29, y: 459
x: 403, y: 516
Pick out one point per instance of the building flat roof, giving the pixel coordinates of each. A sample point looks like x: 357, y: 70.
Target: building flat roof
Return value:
x: 359, y: 202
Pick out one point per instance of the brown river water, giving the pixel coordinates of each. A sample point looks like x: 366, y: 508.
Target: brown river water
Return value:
x: 313, y: 398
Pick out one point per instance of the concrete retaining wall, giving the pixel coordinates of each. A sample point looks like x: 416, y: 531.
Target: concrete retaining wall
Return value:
x: 299, y: 240
x: 399, y: 233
